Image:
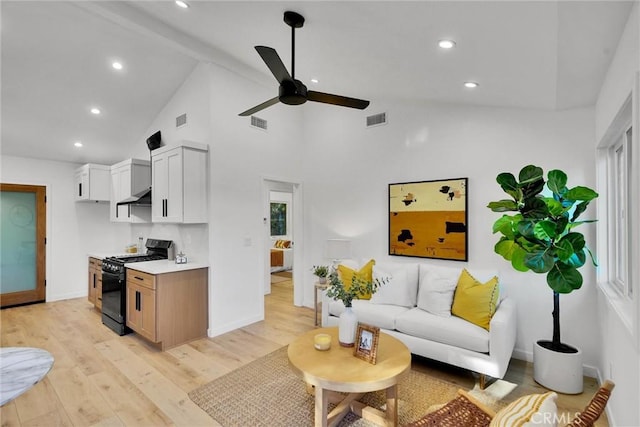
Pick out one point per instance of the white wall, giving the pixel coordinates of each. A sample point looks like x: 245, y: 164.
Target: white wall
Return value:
x: 73, y: 228
x: 239, y: 158
x: 349, y: 168
x: 619, y: 352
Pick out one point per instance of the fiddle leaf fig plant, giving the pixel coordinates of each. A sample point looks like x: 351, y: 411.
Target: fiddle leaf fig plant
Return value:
x: 540, y: 235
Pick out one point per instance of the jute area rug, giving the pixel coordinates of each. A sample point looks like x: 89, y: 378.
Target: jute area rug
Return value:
x: 267, y: 392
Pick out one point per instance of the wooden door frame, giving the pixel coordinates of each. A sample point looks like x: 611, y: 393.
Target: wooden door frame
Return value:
x: 39, y: 293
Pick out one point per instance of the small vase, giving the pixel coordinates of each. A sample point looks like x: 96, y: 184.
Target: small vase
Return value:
x: 347, y: 325
x: 322, y: 280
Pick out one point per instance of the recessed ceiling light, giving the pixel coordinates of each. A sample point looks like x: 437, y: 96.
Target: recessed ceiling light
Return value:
x: 314, y: 80
x: 117, y: 65
x: 77, y: 144
x: 95, y: 111
x: 182, y: 4
x: 446, y: 44
x: 471, y: 85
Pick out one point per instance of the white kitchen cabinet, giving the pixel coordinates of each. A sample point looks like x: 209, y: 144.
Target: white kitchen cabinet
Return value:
x: 179, y: 183
x: 92, y: 183
x: 128, y: 178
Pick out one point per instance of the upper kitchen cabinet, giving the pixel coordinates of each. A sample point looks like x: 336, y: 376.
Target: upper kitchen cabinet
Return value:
x: 179, y: 183
x: 92, y: 183
x: 130, y: 188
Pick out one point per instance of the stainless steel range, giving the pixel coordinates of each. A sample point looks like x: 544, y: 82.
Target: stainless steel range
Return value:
x: 114, y: 285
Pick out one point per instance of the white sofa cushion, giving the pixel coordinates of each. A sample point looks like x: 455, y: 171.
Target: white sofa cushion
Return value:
x: 401, y: 286
x: 447, y: 330
x: 437, y: 285
x: 380, y: 315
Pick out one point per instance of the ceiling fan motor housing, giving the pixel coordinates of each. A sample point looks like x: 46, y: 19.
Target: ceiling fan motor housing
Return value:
x: 292, y: 92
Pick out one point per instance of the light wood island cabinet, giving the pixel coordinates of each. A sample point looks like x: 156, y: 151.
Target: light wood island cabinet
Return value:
x: 95, y: 282
x: 168, y: 309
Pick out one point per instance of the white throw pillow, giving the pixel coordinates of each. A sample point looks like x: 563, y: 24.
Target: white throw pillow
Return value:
x: 436, y: 288
x: 399, y: 288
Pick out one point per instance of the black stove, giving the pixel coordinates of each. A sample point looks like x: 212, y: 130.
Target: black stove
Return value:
x: 115, y: 264
x: 114, y: 286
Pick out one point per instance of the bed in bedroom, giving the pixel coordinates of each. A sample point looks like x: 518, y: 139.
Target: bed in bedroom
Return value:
x: 281, y: 256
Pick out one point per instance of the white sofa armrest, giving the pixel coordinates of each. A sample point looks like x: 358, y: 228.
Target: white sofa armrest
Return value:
x: 502, y: 334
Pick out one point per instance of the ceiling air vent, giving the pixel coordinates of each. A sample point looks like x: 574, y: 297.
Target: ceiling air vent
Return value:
x: 377, y: 120
x: 259, y: 123
x: 181, y: 120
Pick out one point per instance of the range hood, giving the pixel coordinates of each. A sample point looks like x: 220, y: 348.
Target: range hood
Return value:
x: 142, y: 198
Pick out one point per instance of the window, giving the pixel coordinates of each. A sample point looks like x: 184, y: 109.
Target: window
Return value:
x: 618, y: 183
x: 278, y: 219
x: 619, y: 227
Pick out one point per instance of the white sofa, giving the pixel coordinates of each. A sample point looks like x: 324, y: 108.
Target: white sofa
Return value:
x: 399, y: 308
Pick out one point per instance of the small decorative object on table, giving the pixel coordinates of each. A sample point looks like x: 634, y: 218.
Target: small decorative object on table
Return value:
x: 322, y: 342
x: 338, y: 291
x: 181, y: 258
x: 367, y: 343
x: 322, y: 271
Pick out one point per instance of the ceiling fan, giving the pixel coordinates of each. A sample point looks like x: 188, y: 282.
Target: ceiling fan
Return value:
x: 292, y: 91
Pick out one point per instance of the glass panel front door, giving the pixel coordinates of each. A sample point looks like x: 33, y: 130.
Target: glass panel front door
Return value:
x: 21, y: 264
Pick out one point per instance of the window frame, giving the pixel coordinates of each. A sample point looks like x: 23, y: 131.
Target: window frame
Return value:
x: 286, y: 218
x: 621, y: 292
x: 619, y: 226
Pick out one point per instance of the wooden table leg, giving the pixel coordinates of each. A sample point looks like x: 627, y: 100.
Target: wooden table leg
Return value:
x: 322, y: 405
x: 392, y: 405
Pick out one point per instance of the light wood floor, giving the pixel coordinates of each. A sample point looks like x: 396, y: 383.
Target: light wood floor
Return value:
x: 101, y: 379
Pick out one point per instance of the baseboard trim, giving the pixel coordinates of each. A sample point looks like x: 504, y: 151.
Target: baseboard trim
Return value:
x: 214, y: 332
x: 587, y: 370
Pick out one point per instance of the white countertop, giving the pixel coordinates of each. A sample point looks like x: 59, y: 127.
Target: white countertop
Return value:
x: 164, y: 266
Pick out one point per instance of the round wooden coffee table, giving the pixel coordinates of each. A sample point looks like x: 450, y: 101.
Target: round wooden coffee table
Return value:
x: 338, y: 370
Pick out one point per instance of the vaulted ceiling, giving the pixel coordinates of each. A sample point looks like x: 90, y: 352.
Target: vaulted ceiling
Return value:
x: 56, y: 58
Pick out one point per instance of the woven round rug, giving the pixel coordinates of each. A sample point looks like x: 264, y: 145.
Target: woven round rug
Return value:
x: 266, y: 392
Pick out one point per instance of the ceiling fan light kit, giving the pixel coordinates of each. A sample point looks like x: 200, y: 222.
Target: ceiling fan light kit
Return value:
x: 291, y: 90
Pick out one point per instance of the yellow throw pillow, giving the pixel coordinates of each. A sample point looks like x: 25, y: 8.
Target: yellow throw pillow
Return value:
x: 475, y: 302
x: 531, y: 410
x: 365, y: 273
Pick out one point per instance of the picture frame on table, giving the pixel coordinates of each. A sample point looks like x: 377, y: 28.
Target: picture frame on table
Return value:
x: 428, y: 219
x: 366, y: 347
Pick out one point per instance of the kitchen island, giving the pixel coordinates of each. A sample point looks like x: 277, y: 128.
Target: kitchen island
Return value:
x: 167, y: 303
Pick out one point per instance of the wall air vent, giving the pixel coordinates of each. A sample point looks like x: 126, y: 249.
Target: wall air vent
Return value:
x: 181, y: 120
x: 259, y: 123
x: 377, y: 120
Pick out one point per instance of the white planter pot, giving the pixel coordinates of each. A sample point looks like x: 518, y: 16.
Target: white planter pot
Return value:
x: 347, y: 325
x: 561, y: 372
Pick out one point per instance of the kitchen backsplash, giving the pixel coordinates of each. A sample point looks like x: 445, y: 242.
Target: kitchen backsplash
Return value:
x: 191, y: 239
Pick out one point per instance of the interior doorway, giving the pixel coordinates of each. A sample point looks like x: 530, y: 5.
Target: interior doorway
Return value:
x: 22, y: 244
x: 283, y: 238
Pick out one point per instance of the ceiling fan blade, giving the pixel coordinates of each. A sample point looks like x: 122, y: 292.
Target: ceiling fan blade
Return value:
x: 259, y: 107
x: 273, y: 61
x: 343, y: 101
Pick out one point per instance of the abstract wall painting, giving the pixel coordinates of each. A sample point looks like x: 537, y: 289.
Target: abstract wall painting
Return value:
x: 428, y: 219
